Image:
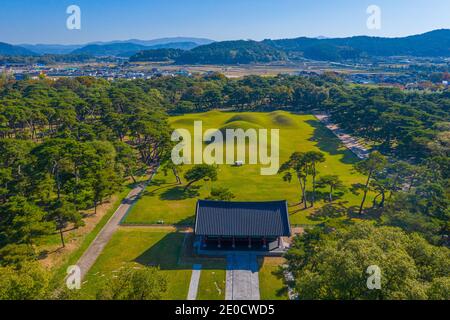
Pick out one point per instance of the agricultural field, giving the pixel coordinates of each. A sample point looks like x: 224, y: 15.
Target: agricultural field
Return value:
x: 165, y: 202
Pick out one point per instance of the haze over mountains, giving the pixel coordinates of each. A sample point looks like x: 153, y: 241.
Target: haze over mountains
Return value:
x: 67, y: 49
x: 204, y: 51
x: 11, y: 50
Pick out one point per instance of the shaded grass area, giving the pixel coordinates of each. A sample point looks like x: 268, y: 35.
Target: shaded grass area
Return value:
x: 271, y: 286
x: 164, y: 248
x: 143, y: 247
x: 165, y: 202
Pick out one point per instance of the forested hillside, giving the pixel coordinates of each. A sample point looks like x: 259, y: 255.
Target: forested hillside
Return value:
x: 232, y: 52
x: 10, y: 50
x: 431, y: 44
x: 157, y: 55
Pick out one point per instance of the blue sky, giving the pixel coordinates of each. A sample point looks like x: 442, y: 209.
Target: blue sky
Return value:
x: 44, y: 21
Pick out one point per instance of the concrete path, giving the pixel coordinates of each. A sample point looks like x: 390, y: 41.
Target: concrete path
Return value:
x: 349, y: 142
x: 95, y: 249
x: 242, y: 282
x: 195, y: 279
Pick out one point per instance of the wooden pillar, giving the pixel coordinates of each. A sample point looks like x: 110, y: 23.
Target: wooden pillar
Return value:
x: 218, y: 245
x: 204, y: 239
x: 234, y: 243
x: 249, y: 242
x: 264, y: 243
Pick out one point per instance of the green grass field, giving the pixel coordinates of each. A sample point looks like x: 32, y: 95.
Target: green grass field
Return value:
x: 270, y: 286
x: 212, y: 281
x: 159, y: 247
x: 165, y: 202
x: 148, y: 247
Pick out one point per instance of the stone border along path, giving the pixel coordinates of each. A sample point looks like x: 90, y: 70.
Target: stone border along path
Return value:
x: 242, y: 280
x: 349, y: 142
x: 89, y: 257
x: 195, y: 279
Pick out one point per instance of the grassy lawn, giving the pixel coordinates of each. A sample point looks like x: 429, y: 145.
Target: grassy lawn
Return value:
x: 212, y: 281
x: 270, y: 286
x: 160, y: 247
x: 166, y: 202
x: 142, y: 246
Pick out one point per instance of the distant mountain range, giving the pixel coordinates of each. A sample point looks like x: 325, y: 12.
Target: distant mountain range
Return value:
x: 11, y: 50
x: 160, y: 41
x: 185, y: 43
x: 51, y: 48
x: 127, y: 49
x: 204, y: 51
x: 432, y: 44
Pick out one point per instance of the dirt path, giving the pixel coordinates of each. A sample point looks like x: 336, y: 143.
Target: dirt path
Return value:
x: 349, y: 142
x: 95, y: 249
x: 242, y: 280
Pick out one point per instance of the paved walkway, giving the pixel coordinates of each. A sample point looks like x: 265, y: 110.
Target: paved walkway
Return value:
x: 95, y: 249
x: 242, y: 282
x: 195, y: 279
x: 349, y: 142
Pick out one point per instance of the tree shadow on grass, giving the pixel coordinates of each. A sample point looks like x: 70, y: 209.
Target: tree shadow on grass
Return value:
x: 320, y: 195
x: 368, y: 213
x: 186, y: 222
x: 153, y: 192
x: 179, y: 193
x: 326, y: 141
x: 301, y: 208
x: 283, y: 291
x: 324, y: 195
x: 164, y: 254
x: 330, y: 211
